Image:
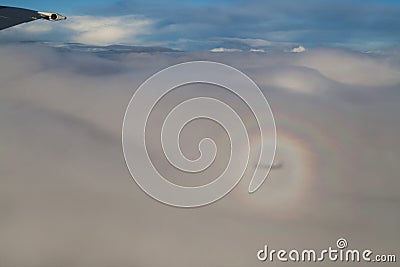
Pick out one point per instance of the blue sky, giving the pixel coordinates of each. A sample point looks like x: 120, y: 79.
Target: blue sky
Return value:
x: 203, y: 25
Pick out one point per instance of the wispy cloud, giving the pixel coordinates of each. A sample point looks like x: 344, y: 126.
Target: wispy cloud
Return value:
x: 223, y: 49
x: 88, y: 29
x: 107, y: 30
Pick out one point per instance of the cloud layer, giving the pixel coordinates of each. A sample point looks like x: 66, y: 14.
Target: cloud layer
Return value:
x: 67, y: 199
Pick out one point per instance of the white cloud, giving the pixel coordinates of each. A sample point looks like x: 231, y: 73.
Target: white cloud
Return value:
x: 107, y: 30
x: 95, y: 30
x: 298, y: 49
x: 38, y: 27
x: 254, y: 43
x: 27, y: 31
x: 222, y: 49
x: 297, y: 79
x: 250, y: 41
x: 257, y: 50
x: 351, y: 68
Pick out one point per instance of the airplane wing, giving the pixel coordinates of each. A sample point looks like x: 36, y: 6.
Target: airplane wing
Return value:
x: 11, y: 16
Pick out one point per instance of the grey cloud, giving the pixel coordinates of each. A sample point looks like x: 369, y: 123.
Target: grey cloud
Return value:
x: 67, y: 199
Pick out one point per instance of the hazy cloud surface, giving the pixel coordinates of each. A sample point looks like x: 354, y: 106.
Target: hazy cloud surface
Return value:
x: 67, y: 199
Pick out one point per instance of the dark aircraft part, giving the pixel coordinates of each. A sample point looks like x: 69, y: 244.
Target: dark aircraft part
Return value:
x: 11, y: 16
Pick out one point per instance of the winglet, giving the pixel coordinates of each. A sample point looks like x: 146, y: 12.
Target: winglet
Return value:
x: 52, y: 16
